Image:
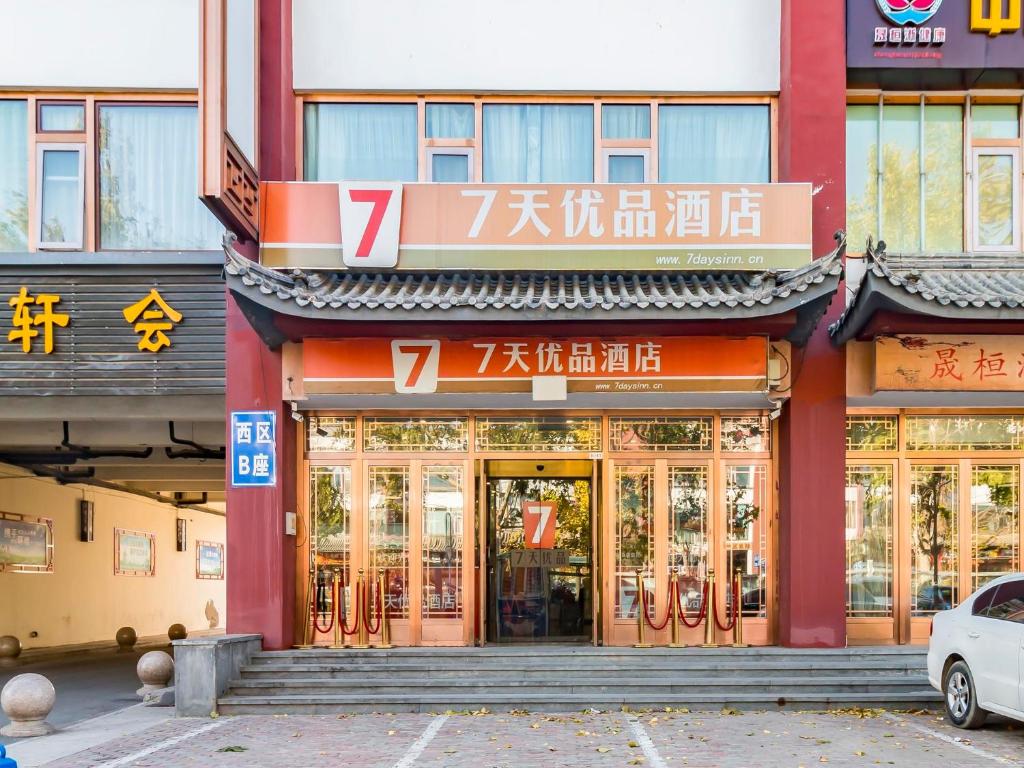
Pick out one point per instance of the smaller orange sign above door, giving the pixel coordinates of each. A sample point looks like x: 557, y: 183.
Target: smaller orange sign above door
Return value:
x: 539, y: 524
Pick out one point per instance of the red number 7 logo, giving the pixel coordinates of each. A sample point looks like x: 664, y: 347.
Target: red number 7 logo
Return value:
x: 380, y: 199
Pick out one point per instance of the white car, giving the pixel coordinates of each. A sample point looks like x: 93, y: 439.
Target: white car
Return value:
x: 976, y: 654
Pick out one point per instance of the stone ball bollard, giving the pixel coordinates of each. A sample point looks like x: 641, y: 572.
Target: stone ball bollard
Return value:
x: 27, y: 699
x: 177, y: 632
x: 155, y: 670
x: 126, y: 638
x: 10, y: 649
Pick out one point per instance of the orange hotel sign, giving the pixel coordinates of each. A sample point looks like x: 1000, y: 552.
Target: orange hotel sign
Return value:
x: 385, y: 225
x: 510, y: 365
x: 966, y: 363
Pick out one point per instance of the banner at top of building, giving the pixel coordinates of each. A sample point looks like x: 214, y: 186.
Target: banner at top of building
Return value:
x: 934, y: 34
x: 385, y: 225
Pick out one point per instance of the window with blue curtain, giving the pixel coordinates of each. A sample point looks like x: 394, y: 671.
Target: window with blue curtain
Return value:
x: 360, y: 142
x: 13, y: 176
x: 450, y: 121
x: 148, y: 168
x: 714, y: 143
x: 626, y: 121
x: 538, y: 143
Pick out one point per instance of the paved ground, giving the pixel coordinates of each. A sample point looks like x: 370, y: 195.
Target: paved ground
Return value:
x: 522, y: 740
x: 88, y: 683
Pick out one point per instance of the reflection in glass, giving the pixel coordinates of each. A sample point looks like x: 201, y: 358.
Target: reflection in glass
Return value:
x: 994, y: 121
x: 388, y: 517
x: 61, y: 203
x: 872, y: 433
x: 330, y: 499
x: 861, y: 175
x: 995, y: 516
x: 933, y: 536
x: 413, y: 433
x: 901, y: 174
x: 749, y: 434
x: 330, y: 433
x: 944, y: 178
x: 634, y: 537
x: 995, y: 200
x: 538, y: 433
x: 746, y: 538
x: 13, y: 175
x: 443, y: 504
x: 869, y: 537
x: 660, y: 433
x: 688, y: 530
x: 964, y: 433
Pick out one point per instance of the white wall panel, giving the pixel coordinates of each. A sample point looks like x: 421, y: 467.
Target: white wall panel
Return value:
x: 659, y: 46
x: 99, y: 44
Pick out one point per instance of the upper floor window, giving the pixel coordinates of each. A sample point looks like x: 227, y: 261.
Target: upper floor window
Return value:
x: 61, y: 116
x: 530, y: 143
x: 148, y: 178
x: 714, y: 143
x: 367, y: 142
x: 922, y: 192
x: 13, y: 175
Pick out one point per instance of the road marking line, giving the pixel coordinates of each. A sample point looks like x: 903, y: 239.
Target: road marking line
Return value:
x: 417, y: 747
x: 650, y: 751
x: 951, y: 740
x: 162, y: 745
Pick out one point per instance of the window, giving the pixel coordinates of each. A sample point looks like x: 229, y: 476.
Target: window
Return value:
x: 714, y: 143
x: 451, y: 121
x: 368, y: 142
x: 450, y: 165
x: 626, y: 165
x: 625, y: 121
x: 443, y: 503
x: 1008, y: 603
x: 13, y: 175
x: 983, y: 601
x: 869, y: 541
x: 61, y: 117
x: 996, y: 214
x: 60, y: 192
x: 995, y: 121
x: 538, y: 143
x: 148, y: 178
x: 934, y: 517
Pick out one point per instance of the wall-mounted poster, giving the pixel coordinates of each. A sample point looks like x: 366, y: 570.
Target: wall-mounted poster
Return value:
x: 134, y: 553
x: 26, y: 544
x: 209, y: 560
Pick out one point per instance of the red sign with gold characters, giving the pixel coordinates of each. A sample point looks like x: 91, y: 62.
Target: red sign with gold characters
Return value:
x: 982, y: 363
x: 612, y: 365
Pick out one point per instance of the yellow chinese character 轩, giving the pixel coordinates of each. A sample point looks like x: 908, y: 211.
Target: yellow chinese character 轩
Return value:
x: 25, y: 320
x: 152, y: 323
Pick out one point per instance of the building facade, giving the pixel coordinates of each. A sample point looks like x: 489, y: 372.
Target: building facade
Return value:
x: 111, y: 328
x: 530, y: 331
x: 934, y: 377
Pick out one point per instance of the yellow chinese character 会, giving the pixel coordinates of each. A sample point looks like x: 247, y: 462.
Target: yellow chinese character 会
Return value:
x: 152, y: 323
x: 25, y: 320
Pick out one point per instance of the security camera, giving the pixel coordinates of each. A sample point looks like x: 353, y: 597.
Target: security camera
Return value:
x: 776, y: 410
x: 296, y: 413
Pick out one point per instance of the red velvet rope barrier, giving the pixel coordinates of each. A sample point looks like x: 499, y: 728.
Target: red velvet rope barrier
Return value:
x: 373, y: 630
x: 700, y: 614
x: 735, y: 605
x: 355, y: 627
x: 647, y: 616
x: 316, y: 622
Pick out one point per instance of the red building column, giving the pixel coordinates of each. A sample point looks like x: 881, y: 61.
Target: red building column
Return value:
x: 812, y: 444
x: 260, y: 556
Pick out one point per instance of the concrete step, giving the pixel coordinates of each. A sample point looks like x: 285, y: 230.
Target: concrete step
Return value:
x: 544, y: 668
x: 567, y: 702
x: 594, y: 685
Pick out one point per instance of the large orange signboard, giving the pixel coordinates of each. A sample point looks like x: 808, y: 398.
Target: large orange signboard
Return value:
x: 384, y: 225
x: 612, y: 365
x: 978, y: 363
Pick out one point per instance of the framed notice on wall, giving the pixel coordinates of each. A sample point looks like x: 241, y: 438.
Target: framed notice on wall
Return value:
x: 134, y: 553
x: 26, y: 544
x: 209, y: 560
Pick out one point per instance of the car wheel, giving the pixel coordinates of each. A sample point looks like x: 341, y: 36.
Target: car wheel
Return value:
x: 962, y: 708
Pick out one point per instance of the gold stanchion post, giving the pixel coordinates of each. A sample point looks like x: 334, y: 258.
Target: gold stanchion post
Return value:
x: 709, y: 613
x: 737, y: 630
x: 362, y: 639
x: 310, y: 607
x: 339, y: 615
x: 674, y: 608
x: 640, y: 611
x: 385, y: 630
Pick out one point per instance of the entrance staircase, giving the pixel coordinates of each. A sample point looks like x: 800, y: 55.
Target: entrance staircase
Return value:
x: 573, y: 678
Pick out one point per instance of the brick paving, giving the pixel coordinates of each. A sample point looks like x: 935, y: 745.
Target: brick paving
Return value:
x: 523, y: 740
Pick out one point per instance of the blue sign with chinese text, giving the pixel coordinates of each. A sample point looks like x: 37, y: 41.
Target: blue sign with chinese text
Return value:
x: 253, y: 448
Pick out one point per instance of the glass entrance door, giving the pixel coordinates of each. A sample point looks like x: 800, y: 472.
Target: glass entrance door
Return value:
x: 540, y: 560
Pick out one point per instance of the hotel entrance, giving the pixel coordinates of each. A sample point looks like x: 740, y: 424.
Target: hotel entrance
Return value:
x: 540, y: 571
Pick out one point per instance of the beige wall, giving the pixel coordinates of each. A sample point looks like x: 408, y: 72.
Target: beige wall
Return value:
x: 82, y: 600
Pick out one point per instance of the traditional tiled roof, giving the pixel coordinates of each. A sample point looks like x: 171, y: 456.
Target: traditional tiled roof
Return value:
x: 538, y: 296
x: 968, y: 286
